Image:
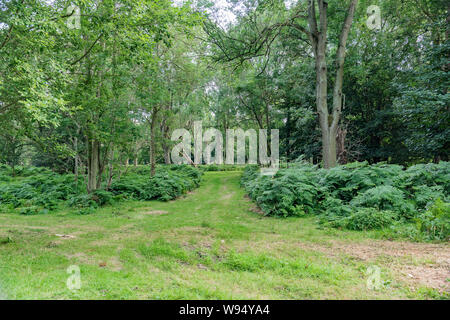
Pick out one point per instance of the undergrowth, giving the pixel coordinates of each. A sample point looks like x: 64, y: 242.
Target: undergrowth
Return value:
x: 412, y: 202
x: 32, y: 190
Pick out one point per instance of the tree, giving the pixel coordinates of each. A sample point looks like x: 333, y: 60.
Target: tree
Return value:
x: 250, y: 40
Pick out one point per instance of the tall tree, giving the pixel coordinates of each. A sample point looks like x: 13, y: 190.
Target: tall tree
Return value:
x: 257, y: 32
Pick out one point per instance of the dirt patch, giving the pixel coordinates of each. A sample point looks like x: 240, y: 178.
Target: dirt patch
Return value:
x: 417, y: 263
x: 429, y: 275
x: 154, y: 213
x: 65, y: 236
x: 80, y: 258
x: 203, y: 245
x: 227, y: 196
x: 253, y: 207
x: 438, y: 253
x: 257, y: 210
x: 39, y: 228
x: 113, y: 264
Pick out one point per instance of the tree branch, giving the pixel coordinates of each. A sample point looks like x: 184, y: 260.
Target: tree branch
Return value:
x: 340, y: 59
x: 88, y: 51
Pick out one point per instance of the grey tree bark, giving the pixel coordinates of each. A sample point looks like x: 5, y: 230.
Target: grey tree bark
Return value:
x: 329, y: 123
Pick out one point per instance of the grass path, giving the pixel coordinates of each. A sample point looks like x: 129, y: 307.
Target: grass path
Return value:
x: 211, y: 244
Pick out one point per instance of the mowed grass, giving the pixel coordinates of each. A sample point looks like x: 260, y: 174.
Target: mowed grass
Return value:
x: 210, y: 244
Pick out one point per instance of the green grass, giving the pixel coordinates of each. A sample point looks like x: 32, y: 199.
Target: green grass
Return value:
x: 209, y: 244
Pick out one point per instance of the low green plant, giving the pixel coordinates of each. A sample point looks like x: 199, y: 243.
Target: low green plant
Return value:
x: 434, y: 224
x: 47, y: 190
x: 385, y: 198
x: 369, y: 219
x: 358, y: 196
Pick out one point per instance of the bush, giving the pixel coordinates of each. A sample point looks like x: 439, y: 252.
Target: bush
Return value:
x: 82, y: 201
x: 45, y: 190
x: 385, y: 198
x: 368, y: 219
x: 335, y: 210
x: 435, y: 223
x: 168, y: 183
x: 426, y: 175
x: 102, y: 197
x: 425, y: 196
x: 346, y: 182
x: 356, y: 196
x: 5, y: 178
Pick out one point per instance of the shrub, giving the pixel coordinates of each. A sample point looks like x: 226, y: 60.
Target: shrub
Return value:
x: 425, y: 196
x: 334, y: 211
x: 5, y: 178
x: 288, y: 194
x: 44, y: 189
x: 346, y: 182
x: 168, y: 183
x: 357, y: 196
x: 425, y: 175
x: 132, y: 185
x: 102, y: 197
x: 385, y: 198
x: 435, y: 223
x: 369, y: 219
x: 82, y: 201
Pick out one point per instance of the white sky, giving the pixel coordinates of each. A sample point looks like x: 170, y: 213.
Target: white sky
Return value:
x: 224, y: 14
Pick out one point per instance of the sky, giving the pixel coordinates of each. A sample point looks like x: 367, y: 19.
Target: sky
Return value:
x: 224, y: 15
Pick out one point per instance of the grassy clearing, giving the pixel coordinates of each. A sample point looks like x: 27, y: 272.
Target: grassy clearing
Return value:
x: 211, y: 244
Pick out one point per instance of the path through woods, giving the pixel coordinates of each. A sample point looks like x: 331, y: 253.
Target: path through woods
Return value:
x: 211, y: 244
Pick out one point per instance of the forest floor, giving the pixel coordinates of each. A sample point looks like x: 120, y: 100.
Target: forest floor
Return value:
x: 211, y: 244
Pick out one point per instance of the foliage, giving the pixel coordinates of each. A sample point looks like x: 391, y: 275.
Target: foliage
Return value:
x: 365, y: 219
x: 356, y: 196
x: 37, y: 190
x: 168, y: 183
x: 434, y: 224
x: 384, y: 198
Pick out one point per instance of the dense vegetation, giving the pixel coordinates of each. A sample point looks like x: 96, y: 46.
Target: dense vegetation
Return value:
x: 81, y: 103
x: 39, y: 190
x: 359, y: 196
x: 94, y: 94
x: 112, y: 90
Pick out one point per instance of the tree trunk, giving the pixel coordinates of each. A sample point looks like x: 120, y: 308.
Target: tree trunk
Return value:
x: 153, y: 143
x: 341, y: 150
x: 328, y: 123
x: 93, y: 165
x: 76, y: 165
x: 165, y: 143
x: 166, y: 154
x: 110, y: 169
